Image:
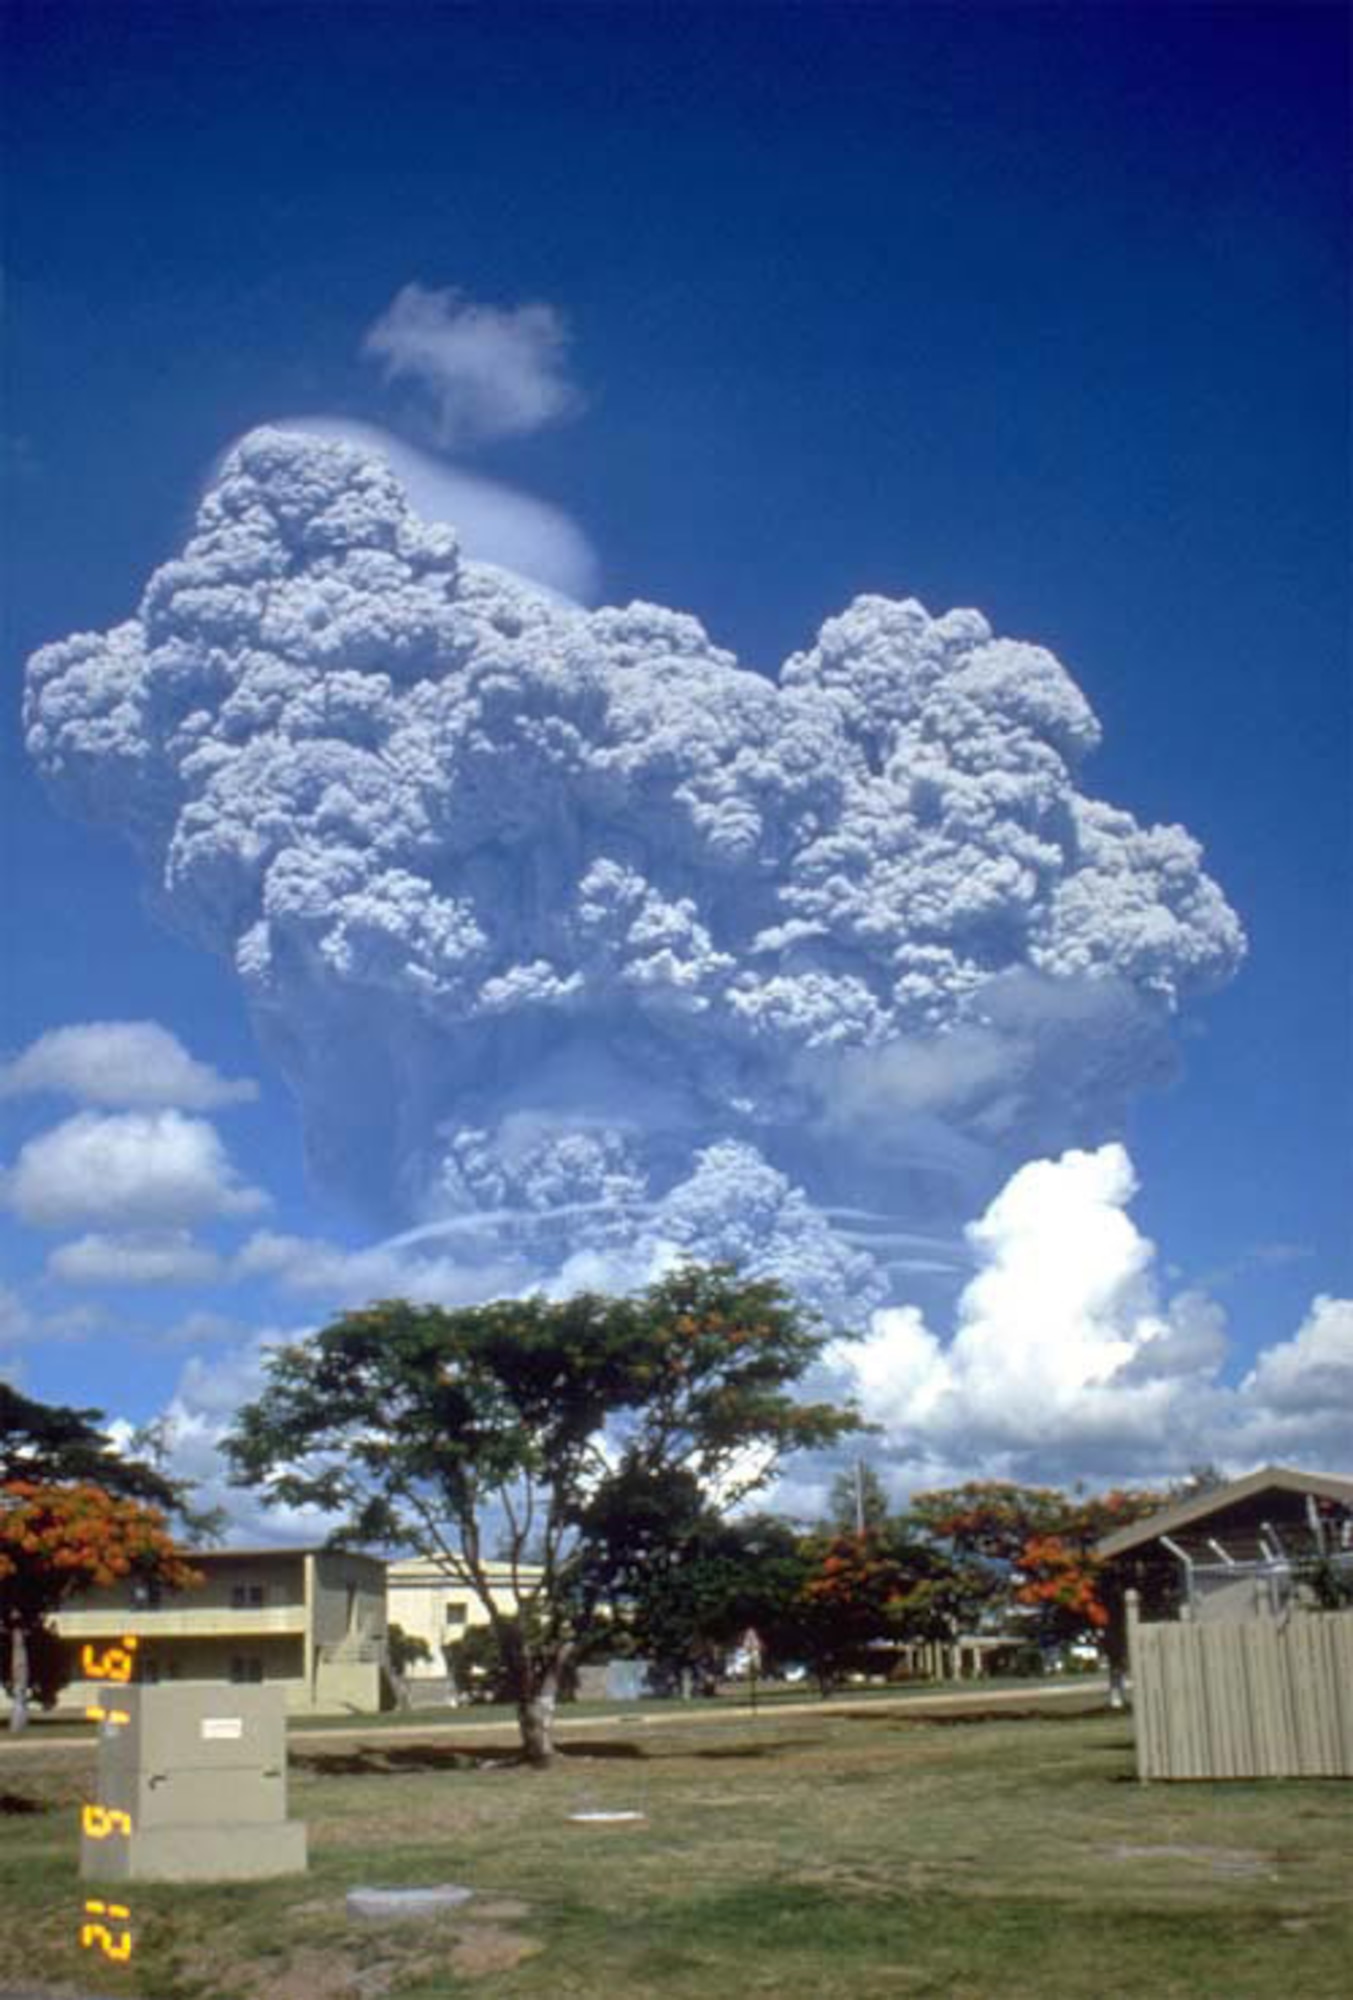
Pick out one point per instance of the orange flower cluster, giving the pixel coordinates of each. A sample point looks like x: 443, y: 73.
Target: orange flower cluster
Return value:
x: 1057, y: 1573
x: 79, y: 1537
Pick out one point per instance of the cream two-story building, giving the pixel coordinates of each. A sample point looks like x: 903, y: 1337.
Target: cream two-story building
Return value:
x: 310, y: 1620
x: 429, y: 1602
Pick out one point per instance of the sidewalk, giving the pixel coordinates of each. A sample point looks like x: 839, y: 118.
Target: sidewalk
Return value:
x: 981, y: 1695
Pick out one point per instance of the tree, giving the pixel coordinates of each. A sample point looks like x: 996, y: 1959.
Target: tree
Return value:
x: 405, y: 1649
x: 75, y: 1513
x: 858, y: 1500
x: 984, y: 1528
x: 851, y: 1598
x: 887, y: 1584
x: 52, y: 1443
x: 57, y: 1540
x: 990, y: 1520
x: 1031, y: 1548
x: 1057, y: 1570
x: 481, y: 1671
x: 686, y: 1600
x: 519, y: 1422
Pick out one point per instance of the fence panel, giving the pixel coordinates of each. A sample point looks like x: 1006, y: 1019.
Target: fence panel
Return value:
x: 1257, y: 1698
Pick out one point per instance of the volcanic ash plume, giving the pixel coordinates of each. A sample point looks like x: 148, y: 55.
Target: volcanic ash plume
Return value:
x: 577, y: 939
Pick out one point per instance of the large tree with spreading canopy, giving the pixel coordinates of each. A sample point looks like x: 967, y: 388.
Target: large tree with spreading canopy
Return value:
x: 535, y: 1430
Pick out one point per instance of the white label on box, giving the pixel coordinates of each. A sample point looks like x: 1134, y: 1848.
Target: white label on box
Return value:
x: 222, y: 1728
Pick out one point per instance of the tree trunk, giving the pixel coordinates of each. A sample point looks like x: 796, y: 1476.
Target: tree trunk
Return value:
x: 535, y: 1719
x: 18, y: 1675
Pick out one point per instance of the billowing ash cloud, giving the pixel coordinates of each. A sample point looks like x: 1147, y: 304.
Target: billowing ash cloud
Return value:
x: 494, y: 523
x: 587, y: 945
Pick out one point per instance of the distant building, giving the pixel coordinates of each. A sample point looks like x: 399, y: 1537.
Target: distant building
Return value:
x: 428, y: 1603
x: 1225, y: 1610
x: 1250, y: 1548
x: 310, y: 1620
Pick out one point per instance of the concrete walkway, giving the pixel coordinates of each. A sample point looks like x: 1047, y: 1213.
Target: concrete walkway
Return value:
x: 695, y: 1712
x: 980, y: 1696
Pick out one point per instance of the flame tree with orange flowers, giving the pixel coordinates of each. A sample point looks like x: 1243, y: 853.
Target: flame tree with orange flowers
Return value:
x: 75, y: 1515
x: 1034, y: 1546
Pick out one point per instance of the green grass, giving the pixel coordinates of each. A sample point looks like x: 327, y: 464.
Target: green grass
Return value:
x: 731, y: 1695
x: 865, y: 1854
x: 60, y: 1725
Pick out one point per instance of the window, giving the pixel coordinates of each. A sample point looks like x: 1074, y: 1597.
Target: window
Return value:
x: 455, y: 1614
x: 246, y: 1668
x: 246, y: 1596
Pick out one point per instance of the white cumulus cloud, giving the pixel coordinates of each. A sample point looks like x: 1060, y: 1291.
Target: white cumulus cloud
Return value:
x: 130, y: 1064
x: 132, y: 1170
x: 196, y: 1419
x: 1312, y: 1372
x: 1065, y: 1361
x: 482, y: 371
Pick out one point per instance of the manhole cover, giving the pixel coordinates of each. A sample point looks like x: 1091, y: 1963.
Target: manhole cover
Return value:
x: 395, y: 1905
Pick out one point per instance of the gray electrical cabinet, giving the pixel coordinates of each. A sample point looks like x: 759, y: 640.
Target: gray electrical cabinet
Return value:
x: 192, y: 1787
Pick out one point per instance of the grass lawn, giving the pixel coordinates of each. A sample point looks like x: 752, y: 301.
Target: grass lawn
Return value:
x: 868, y: 1853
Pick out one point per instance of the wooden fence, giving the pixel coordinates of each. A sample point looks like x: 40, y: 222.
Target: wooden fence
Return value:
x: 1255, y: 1698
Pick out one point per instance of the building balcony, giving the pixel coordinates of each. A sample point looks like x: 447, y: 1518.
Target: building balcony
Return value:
x: 202, y: 1621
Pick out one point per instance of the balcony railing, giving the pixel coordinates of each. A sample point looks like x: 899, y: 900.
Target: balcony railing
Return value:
x: 224, y: 1621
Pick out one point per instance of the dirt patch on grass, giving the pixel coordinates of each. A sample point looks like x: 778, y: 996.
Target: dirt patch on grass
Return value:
x: 477, y: 1951
x: 314, y: 1975
x: 482, y: 1949
x: 371, y: 1760
x: 431, y: 1823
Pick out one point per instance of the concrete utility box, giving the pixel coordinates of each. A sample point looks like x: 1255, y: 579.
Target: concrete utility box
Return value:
x: 192, y: 1787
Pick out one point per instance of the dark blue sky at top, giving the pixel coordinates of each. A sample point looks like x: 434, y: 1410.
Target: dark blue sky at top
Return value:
x: 1040, y: 309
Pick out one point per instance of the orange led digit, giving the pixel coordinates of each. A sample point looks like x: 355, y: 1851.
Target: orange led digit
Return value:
x: 114, y: 1663
x: 113, y: 1937
x: 98, y: 1933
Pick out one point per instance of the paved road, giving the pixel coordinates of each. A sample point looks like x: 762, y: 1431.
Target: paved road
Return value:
x: 980, y: 1696
x: 722, y: 1711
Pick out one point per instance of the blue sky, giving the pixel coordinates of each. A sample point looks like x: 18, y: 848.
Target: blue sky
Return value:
x: 1035, y: 309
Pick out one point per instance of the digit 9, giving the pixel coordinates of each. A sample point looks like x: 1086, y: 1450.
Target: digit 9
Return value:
x: 109, y: 1663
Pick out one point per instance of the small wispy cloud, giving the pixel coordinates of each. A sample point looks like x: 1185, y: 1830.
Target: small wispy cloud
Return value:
x: 347, y: 1277
x: 482, y: 371
x: 147, y: 1257
x: 22, y: 1326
